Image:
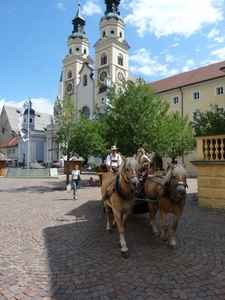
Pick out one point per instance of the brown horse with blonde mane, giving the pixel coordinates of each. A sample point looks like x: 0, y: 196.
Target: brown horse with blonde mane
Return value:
x: 167, y: 195
x: 118, y: 194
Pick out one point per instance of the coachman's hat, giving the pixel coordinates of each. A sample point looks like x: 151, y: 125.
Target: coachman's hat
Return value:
x: 113, y: 148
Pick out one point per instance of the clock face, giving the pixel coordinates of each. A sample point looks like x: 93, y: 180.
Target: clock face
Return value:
x: 69, y: 87
x: 102, y: 76
x: 120, y: 76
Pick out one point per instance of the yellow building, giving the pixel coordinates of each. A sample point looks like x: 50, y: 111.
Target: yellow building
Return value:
x: 192, y: 90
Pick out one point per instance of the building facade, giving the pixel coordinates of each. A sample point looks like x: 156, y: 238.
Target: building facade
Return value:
x: 192, y: 90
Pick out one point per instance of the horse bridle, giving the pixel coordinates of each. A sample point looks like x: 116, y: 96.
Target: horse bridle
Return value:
x: 120, y: 191
x: 128, y: 178
x: 167, y: 190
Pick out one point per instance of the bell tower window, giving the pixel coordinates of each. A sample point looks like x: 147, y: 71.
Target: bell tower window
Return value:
x: 103, y: 59
x: 103, y: 34
x: 120, y: 59
x: 69, y: 74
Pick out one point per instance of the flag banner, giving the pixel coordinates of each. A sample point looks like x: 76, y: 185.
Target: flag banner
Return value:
x: 23, y: 132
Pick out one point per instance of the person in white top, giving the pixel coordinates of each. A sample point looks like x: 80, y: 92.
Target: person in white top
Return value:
x: 75, y: 178
x: 113, y: 160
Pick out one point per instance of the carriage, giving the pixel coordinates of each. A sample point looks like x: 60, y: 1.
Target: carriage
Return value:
x: 127, y: 192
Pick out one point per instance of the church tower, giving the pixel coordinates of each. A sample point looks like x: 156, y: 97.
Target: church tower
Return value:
x: 76, y: 60
x: 111, y: 51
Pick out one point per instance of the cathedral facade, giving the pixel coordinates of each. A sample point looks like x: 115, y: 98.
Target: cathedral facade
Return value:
x: 86, y: 86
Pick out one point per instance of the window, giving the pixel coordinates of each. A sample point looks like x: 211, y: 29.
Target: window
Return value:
x: 194, y: 112
x: 14, y: 151
x: 103, y: 59
x: 121, y: 35
x: 69, y: 74
x: 31, y: 120
x: 219, y: 90
x: 85, y: 51
x: 86, y: 111
x: 9, y: 151
x: 103, y: 34
x: 70, y: 51
x: 120, y: 59
x: 175, y: 100
x: 196, y: 95
x: 102, y: 101
x: 221, y: 107
x: 85, y: 80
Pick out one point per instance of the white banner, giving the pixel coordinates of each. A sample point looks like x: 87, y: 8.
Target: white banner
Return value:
x: 23, y: 132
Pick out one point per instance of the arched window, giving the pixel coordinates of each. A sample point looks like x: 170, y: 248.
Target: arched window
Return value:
x: 85, y: 80
x: 103, y: 59
x: 103, y: 34
x: 69, y: 74
x: 86, y: 111
x: 120, y: 59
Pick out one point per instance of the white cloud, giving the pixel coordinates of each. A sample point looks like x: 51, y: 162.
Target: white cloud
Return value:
x: 180, y: 17
x: 38, y: 104
x: 61, y: 6
x: 91, y: 7
x: 219, y: 53
x: 213, y: 33
x: 219, y: 39
x: 141, y: 63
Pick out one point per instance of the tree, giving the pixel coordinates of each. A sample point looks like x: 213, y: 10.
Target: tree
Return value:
x: 133, y: 117
x: 177, y: 137
x: 77, y: 134
x: 210, y: 122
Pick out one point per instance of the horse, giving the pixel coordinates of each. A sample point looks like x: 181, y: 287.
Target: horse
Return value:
x: 118, y: 194
x: 167, y: 195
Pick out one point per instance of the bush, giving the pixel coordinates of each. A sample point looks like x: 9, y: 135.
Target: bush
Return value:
x: 211, y: 122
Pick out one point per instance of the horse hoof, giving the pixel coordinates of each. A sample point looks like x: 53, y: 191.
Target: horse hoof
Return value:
x: 156, y: 234
x: 125, y: 254
x: 173, y: 247
x: 109, y: 230
x: 164, y: 240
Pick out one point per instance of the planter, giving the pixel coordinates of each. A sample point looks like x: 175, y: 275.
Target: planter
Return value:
x: 210, y: 163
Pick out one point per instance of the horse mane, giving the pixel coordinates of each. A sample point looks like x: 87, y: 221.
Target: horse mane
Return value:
x: 129, y: 160
x: 179, y: 169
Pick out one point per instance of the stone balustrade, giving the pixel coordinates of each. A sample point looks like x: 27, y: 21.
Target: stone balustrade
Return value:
x: 210, y: 163
x: 211, y: 148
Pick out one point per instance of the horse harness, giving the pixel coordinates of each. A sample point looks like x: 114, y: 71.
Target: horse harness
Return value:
x: 166, y: 192
x: 114, y: 187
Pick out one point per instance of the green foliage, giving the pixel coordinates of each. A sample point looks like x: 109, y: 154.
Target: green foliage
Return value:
x: 210, y: 122
x: 77, y: 135
x: 133, y: 117
x: 177, y: 137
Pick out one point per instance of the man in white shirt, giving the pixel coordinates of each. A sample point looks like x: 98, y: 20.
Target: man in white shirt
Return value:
x: 113, y: 160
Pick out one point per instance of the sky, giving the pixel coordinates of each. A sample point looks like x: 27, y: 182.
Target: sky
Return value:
x: 166, y: 37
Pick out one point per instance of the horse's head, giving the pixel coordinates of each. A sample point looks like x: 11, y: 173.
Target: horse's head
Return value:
x: 129, y: 171
x: 176, y: 181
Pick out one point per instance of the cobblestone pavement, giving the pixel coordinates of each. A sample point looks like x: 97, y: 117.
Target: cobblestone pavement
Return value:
x: 53, y: 247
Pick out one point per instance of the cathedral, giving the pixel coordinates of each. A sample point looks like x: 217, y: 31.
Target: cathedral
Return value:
x: 86, y: 86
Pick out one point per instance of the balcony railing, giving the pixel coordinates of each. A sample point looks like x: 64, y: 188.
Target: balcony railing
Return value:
x: 211, y: 148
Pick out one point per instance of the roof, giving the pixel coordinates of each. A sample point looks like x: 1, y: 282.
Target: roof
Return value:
x: 41, y: 119
x: 9, y: 143
x: 4, y: 158
x: 191, y: 77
